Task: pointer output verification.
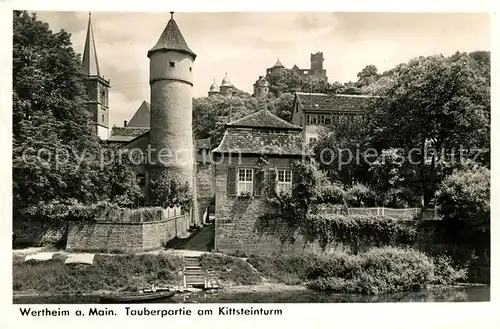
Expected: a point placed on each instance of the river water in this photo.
(456, 294)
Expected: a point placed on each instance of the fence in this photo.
(405, 213)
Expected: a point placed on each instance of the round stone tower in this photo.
(171, 82)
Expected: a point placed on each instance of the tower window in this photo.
(190, 69)
(172, 64)
(103, 118)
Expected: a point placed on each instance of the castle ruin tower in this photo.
(171, 83)
(261, 87)
(96, 86)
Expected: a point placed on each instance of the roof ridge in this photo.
(285, 124)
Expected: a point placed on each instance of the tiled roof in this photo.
(126, 134)
(263, 119)
(321, 102)
(172, 39)
(141, 116)
(259, 141)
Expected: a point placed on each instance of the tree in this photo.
(394, 179)
(167, 190)
(341, 148)
(435, 106)
(284, 81)
(282, 106)
(368, 75)
(464, 196)
(50, 118)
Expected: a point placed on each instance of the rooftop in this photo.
(317, 101)
(172, 39)
(263, 119)
(259, 141)
(126, 134)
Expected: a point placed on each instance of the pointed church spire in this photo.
(172, 39)
(90, 62)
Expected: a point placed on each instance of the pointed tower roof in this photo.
(89, 61)
(141, 116)
(172, 39)
(226, 82)
(278, 64)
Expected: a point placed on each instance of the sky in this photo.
(245, 44)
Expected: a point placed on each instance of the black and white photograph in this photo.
(251, 158)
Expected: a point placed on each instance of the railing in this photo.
(171, 212)
(427, 214)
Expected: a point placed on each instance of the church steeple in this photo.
(90, 61)
(97, 87)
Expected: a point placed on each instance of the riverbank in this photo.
(378, 271)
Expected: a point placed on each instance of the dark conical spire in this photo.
(90, 62)
(172, 39)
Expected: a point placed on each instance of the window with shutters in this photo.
(245, 181)
(284, 181)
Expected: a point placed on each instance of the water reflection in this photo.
(462, 294)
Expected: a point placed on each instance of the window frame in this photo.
(250, 182)
(285, 185)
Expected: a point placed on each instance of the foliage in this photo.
(118, 182)
(50, 117)
(380, 270)
(434, 103)
(465, 196)
(341, 149)
(446, 273)
(310, 188)
(56, 154)
(394, 179)
(368, 75)
(230, 270)
(108, 273)
(168, 189)
(357, 229)
(360, 195)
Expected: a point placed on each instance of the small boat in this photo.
(150, 297)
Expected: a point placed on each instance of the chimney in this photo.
(124, 123)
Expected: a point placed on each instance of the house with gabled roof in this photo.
(256, 149)
(312, 111)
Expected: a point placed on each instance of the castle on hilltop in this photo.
(315, 72)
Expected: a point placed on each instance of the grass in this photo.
(108, 273)
(229, 270)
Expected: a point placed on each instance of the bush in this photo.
(360, 195)
(380, 270)
(445, 273)
(465, 196)
(374, 230)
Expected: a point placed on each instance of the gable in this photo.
(141, 116)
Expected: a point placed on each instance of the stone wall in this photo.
(205, 182)
(101, 236)
(236, 224)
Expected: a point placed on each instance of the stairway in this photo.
(194, 276)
